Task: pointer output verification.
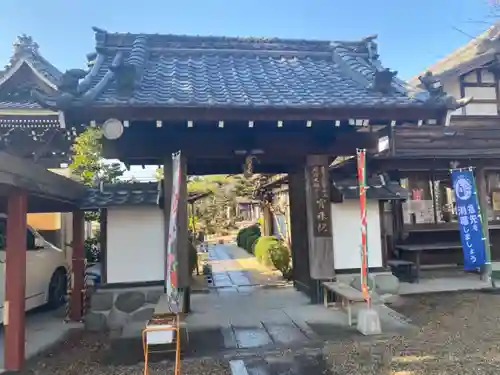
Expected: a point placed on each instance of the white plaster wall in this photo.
(346, 225)
(135, 245)
(452, 87)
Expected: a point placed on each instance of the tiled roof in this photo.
(197, 71)
(476, 53)
(377, 190)
(125, 194)
(26, 50)
(26, 53)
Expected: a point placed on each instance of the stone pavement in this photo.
(238, 314)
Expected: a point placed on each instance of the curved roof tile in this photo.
(198, 71)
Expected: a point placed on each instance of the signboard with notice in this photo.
(318, 175)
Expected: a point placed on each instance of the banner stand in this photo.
(470, 220)
(368, 318)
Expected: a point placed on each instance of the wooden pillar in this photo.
(103, 242)
(15, 281)
(78, 266)
(298, 226)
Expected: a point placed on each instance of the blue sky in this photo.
(412, 34)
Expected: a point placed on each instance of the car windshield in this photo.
(30, 238)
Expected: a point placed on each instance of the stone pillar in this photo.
(78, 266)
(15, 281)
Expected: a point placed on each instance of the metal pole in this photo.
(482, 197)
(361, 158)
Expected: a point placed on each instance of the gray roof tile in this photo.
(173, 70)
(25, 49)
(125, 194)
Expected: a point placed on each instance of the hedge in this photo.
(247, 236)
(251, 241)
(262, 247)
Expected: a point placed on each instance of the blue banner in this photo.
(469, 219)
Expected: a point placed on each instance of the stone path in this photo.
(238, 314)
(227, 274)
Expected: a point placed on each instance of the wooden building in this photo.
(26, 129)
(34, 133)
(421, 157)
(233, 105)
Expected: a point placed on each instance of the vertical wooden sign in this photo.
(321, 260)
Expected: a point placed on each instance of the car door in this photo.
(35, 271)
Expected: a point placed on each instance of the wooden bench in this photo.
(418, 249)
(348, 295)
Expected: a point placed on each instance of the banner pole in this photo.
(361, 158)
(483, 216)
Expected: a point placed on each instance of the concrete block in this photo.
(369, 322)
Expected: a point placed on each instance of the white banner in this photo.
(171, 255)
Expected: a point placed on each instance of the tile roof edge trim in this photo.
(13, 70)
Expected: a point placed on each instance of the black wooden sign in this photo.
(318, 177)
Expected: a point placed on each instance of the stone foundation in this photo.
(112, 309)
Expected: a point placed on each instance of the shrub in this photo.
(250, 243)
(244, 234)
(240, 237)
(262, 248)
(280, 258)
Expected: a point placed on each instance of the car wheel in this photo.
(57, 289)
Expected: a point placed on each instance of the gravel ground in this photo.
(459, 334)
(85, 354)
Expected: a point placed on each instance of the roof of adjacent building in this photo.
(26, 55)
(127, 194)
(478, 52)
(147, 70)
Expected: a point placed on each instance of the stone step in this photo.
(307, 361)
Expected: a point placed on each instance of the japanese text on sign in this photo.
(321, 198)
(469, 219)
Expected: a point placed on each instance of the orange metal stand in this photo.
(175, 327)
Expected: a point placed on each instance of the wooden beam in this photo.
(78, 266)
(104, 244)
(77, 116)
(15, 281)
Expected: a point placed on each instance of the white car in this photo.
(46, 271)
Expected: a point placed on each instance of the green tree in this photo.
(88, 164)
